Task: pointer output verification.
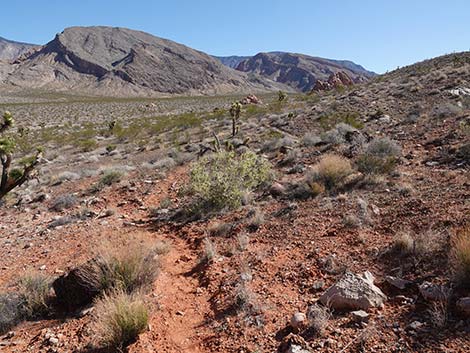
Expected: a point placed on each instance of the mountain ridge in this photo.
(121, 61)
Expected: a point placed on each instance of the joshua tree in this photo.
(235, 111)
(11, 178)
(281, 96)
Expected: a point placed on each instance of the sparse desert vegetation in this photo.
(266, 209)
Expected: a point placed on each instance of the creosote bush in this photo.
(330, 171)
(219, 181)
(120, 318)
(379, 157)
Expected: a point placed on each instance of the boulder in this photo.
(82, 284)
(354, 292)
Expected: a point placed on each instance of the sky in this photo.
(380, 35)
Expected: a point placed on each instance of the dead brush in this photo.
(318, 317)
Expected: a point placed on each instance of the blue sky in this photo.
(378, 34)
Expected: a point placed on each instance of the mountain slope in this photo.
(232, 61)
(10, 50)
(300, 71)
(119, 61)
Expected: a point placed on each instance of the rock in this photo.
(317, 285)
(463, 305)
(81, 285)
(250, 99)
(415, 325)
(460, 91)
(336, 80)
(297, 349)
(360, 316)
(277, 189)
(298, 321)
(433, 292)
(397, 282)
(354, 291)
(293, 341)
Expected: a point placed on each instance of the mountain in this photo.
(10, 50)
(121, 62)
(300, 71)
(231, 61)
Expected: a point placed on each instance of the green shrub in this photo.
(219, 181)
(120, 318)
(379, 157)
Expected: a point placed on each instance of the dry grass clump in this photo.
(403, 243)
(34, 290)
(132, 267)
(209, 253)
(120, 318)
(460, 256)
(330, 171)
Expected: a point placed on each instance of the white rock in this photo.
(298, 320)
(354, 291)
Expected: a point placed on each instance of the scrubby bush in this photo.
(219, 181)
(63, 202)
(120, 318)
(310, 139)
(10, 312)
(318, 317)
(379, 157)
(330, 171)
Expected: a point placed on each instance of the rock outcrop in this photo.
(336, 80)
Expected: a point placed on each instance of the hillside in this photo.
(11, 50)
(331, 222)
(231, 61)
(119, 62)
(300, 71)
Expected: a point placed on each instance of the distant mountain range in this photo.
(123, 62)
(298, 71)
(10, 50)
